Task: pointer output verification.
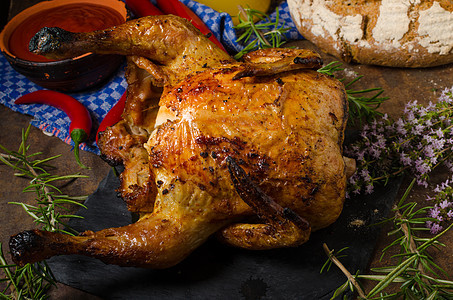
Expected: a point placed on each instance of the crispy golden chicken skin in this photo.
(250, 151)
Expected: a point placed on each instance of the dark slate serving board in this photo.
(216, 271)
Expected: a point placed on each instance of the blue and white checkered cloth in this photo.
(99, 101)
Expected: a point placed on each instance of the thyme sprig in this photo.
(259, 35)
(32, 280)
(415, 144)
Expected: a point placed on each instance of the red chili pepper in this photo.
(143, 8)
(80, 126)
(113, 116)
(177, 8)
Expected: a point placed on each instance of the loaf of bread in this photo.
(396, 33)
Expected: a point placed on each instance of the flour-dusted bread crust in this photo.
(396, 33)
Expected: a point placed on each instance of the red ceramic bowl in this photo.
(68, 75)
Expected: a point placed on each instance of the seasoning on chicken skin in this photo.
(250, 151)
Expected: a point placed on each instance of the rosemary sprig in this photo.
(32, 280)
(362, 107)
(259, 35)
(416, 273)
(27, 282)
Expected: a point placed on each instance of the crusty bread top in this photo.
(362, 30)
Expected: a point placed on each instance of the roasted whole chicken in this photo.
(248, 151)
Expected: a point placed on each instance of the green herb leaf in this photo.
(266, 34)
(363, 104)
(33, 280)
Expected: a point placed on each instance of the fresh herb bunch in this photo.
(32, 280)
(260, 35)
(415, 274)
(417, 143)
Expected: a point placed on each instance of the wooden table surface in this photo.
(401, 85)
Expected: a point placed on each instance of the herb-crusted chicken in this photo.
(250, 151)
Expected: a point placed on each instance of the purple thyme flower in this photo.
(405, 159)
(444, 204)
(438, 144)
(369, 189)
(434, 212)
(422, 167)
(431, 154)
(409, 106)
(450, 214)
(439, 133)
(436, 228)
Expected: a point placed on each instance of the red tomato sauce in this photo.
(84, 17)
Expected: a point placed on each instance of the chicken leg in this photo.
(282, 228)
